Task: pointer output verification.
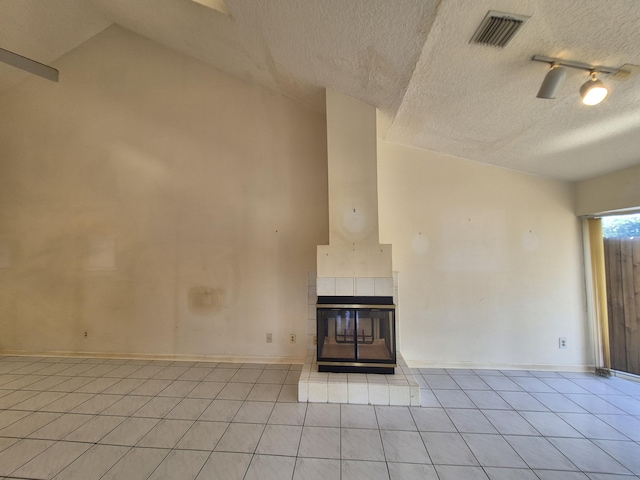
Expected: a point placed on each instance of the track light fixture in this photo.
(592, 92)
(552, 81)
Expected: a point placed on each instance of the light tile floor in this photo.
(73, 418)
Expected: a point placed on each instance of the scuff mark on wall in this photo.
(203, 300)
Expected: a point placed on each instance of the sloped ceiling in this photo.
(410, 58)
(44, 31)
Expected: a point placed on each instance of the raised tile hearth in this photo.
(358, 388)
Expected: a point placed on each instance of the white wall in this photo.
(489, 262)
(142, 175)
(354, 255)
(614, 191)
(351, 152)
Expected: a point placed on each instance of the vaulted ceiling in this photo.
(410, 58)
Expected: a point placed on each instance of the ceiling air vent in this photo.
(498, 29)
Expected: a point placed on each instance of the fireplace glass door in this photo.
(356, 339)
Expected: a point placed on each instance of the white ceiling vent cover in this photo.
(498, 29)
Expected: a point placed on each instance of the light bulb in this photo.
(593, 91)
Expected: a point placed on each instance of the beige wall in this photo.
(142, 175)
(489, 262)
(354, 250)
(615, 191)
(351, 151)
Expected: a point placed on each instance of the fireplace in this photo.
(356, 316)
(356, 334)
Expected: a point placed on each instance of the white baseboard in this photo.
(501, 366)
(146, 356)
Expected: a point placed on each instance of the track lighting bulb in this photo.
(593, 91)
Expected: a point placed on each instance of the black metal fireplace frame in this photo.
(356, 365)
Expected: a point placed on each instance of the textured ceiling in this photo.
(410, 58)
(480, 103)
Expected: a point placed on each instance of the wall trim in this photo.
(502, 366)
(145, 356)
(298, 360)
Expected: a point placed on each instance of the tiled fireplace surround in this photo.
(353, 388)
(354, 263)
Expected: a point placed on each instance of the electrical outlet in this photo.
(86, 333)
(269, 338)
(292, 338)
(562, 342)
